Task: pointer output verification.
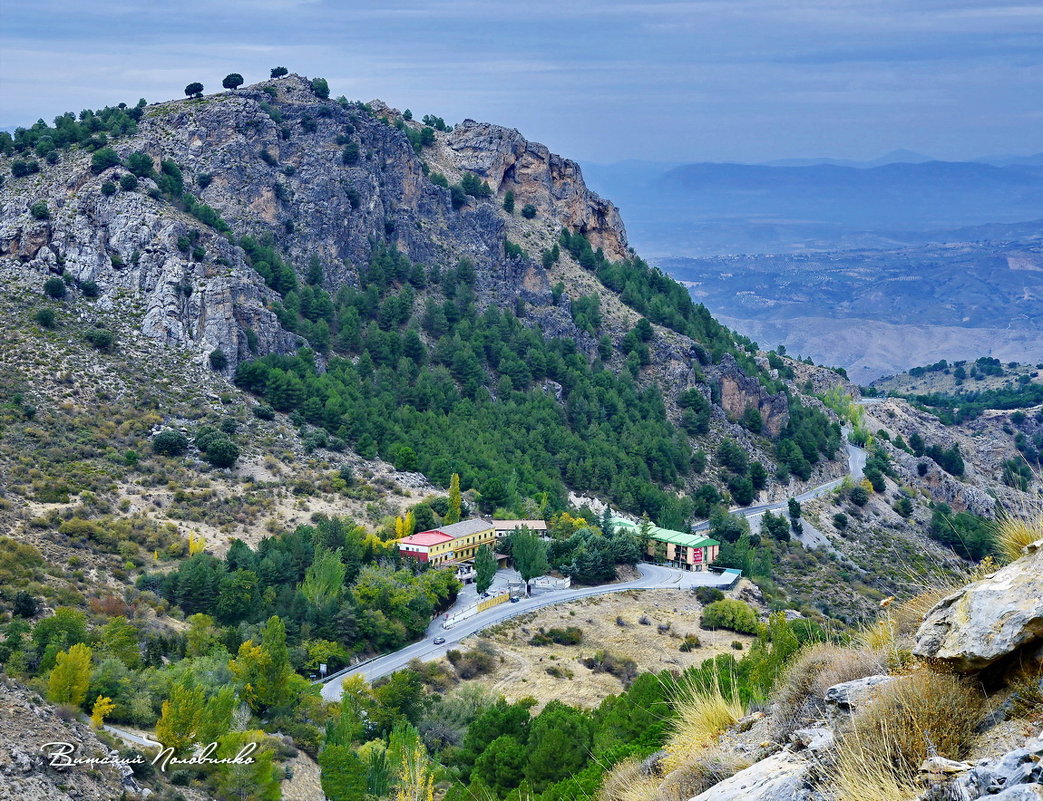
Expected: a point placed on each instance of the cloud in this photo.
(597, 79)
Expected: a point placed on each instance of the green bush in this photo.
(23, 167)
(708, 595)
(218, 359)
(54, 287)
(128, 182)
(232, 81)
(140, 164)
(103, 159)
(89, 288)
(278, 72)
(169, 443)
(350, 154)
(39, 210)
(733, 615)
(100, 338)
(263, 411)
(859, 496)
(528, 211)
(221, 451)
(508, 201)
(45, 317)
(321, 88)
(108, 189)
(194, 89)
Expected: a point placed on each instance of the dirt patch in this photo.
(653, 646)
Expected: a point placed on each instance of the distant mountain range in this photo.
(707, 209)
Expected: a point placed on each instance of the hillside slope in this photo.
(247, 224)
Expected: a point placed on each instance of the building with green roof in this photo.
(686, 551)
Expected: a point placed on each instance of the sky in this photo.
(597, 80)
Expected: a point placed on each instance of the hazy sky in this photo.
(744, 80)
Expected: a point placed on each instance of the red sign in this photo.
(697, 554)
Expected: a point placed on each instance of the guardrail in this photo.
(474, 609)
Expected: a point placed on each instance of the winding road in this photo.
(652, 577)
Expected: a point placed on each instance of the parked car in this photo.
(439, 640)
(515, 600)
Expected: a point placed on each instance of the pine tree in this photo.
(71, 675)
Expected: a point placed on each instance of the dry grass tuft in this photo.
(800, 693)
(626, 781)
(867, 771)
(703, 713)
(1014, 532)
(916, 716)
(713, 765)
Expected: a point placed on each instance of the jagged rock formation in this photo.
(551, 183)
(989, 619)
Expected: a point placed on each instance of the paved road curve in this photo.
(652, 577)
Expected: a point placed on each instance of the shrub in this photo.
(128, 182)
(108, 189)
(232, 81)
(23, 167)
(263, 411)
(194, 89)
(350, 154)
(473, 186)
(528, 211)
(218, 360)
(100, 338)
(457, 197)
(278, 72)
(603, 662)
(54, 287)
(25, 604)
(221, 452)
(708, 595)
(689, 643)
(321, 88)
(571, 635)
(45, 317)
(39, 210)
(859, 496)
(104, 159)
(140, 164)
(508, 201)
(169, 443)
(89, 288)
(737, 616)
(479, 660)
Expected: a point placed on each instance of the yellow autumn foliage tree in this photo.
(70, 676)
(103, 705)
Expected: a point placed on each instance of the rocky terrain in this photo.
(834, 726)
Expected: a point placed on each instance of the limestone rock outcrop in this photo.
(989, 619)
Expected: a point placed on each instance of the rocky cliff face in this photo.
(551, 183)
(326, 179)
